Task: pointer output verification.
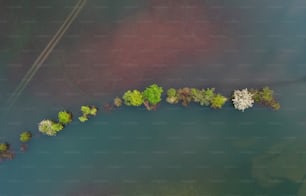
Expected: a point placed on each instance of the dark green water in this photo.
(175, 150)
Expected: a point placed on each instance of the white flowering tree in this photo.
(242, 99)
(49, 127)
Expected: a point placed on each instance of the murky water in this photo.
(113, 46)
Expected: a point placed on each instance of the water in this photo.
(113, 46)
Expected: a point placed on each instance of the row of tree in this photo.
(150, 97)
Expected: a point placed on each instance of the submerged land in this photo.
(150, 98)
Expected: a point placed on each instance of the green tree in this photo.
(64, 117)
(93, 110)
(4, 147)
(218, 101)
(133, 98)
(25, 136)
(86, 110)
(152, 94)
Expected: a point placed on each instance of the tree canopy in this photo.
(93, 110)
(4, 147)
(184, 95)
(49, 127)
(57, 127)
(133, 98)
(87, 111)
(203, 97)
(265, 96)
(152, 94)
(218, 101)
(172, 97)
(171, 92)
(242, 99)
(83, 118)
(25, 136)
(64, 117)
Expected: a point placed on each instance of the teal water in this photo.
(175, 150)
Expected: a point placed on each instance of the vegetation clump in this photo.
(184, 95)
(57, 127)
(152, 96)
(4, 147)
(117, 102)
(209, 94)
(64, 117)
(203, 97)
(172, 97)
(83, 118)
(87, 111)
(5, 152)
(242, 99)
(265, 96)
(49, 127)
(218, 101)
(133, 98)
(25, 136)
